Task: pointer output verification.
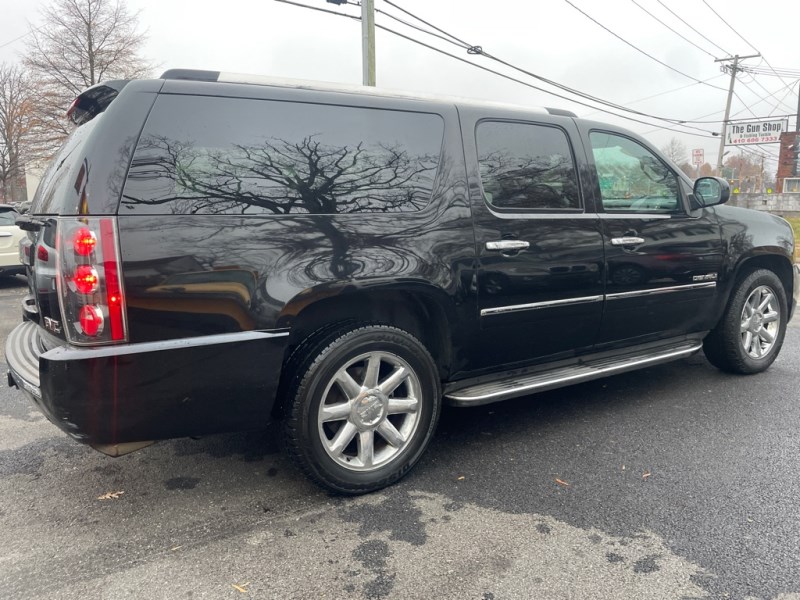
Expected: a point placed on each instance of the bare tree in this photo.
(80, 43)
(17, 125)
(675, 151)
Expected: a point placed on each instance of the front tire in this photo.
(750, 334)
(364, 406)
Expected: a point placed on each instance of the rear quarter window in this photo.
(57, 192)
(210, 155)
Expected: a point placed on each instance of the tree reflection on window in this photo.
(526, 166)
(190, 170)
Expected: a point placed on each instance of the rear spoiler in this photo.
(94, 100)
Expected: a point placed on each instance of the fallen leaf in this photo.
(461, 478)
(110, 495)
(646, 474)
(241, 588)
(561, 482)
(175, 548)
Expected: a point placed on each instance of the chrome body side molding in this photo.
(498, 310)
(663, 290)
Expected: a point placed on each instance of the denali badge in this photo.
(707, 277)
(52, 325)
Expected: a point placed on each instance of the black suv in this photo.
(211, 252)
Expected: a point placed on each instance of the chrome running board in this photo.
(521, 385)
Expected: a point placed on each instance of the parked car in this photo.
(211, 252)
(10, 236)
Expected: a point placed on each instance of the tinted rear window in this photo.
(208, 155)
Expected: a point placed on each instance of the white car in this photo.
(10, 236)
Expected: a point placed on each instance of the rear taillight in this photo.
(89, 282)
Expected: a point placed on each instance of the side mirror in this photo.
(712, 190)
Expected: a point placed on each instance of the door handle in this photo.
(627, 241)
(508, 245)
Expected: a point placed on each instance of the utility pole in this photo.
(734, 67)
(368, 41)
(797, 118)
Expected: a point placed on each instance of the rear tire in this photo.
(364, 404)
(750, 334)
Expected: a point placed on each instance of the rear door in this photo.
(662, 257)
(538, 244)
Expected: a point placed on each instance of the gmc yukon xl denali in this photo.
(210, 252)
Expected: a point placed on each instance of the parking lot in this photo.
(672, 482)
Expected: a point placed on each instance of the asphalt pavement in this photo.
(676, 481)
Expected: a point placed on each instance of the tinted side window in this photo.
(632, 179)
(526, 166)
(206, 155)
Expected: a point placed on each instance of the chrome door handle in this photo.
(627, 241)
(506, 245)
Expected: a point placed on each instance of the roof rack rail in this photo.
(243, 78)
(560, 112)
(190, 74)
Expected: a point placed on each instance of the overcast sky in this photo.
(549, 38)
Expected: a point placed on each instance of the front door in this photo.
(539, 248)
(662, 257)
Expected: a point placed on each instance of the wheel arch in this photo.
(774, 260)
(420, 310)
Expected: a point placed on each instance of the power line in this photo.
(764, 58)
(776, 72)
(673, 31)
(413, 16)
(465, 44)
(770, 94)
(730, 27)
(692, 28)
(473, 49)
(478, 50)
(705, 133)
(788, 91)
(672, 90)
(650, 56)
(418, 28)
(19, 37)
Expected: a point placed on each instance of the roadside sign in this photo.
(697, 156)
(756, 132)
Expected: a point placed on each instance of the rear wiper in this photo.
(29, 223)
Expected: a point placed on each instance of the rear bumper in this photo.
(795, 291)
(150, 391)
